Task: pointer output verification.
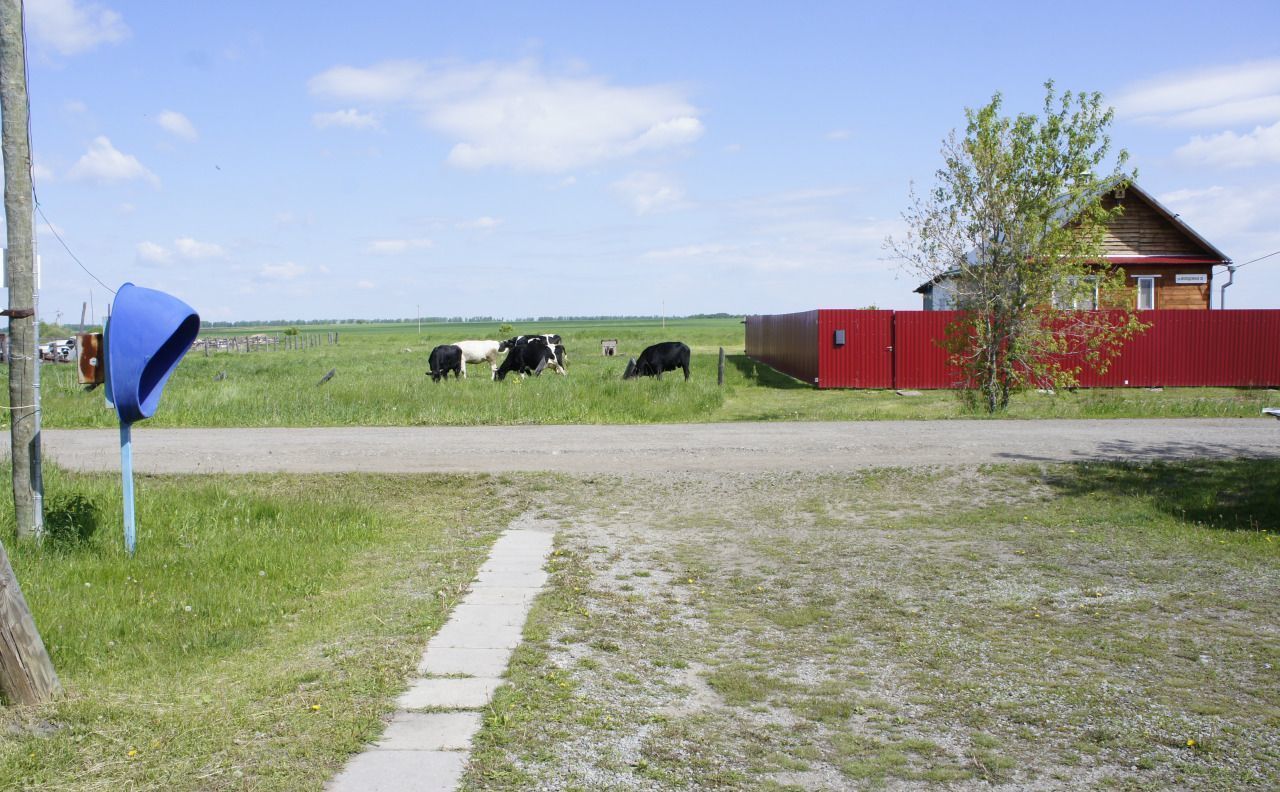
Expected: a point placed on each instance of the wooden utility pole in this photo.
(26, 673)
(24, 333)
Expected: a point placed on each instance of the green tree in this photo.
(1013, 231)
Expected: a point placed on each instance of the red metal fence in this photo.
(901, 349)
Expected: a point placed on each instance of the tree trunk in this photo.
(26, 672)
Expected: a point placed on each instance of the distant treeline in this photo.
(457, 319)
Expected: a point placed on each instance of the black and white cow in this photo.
(529, 356)
(552, 342)
(667, 356)
(442, 360)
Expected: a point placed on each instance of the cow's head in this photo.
(630, 373)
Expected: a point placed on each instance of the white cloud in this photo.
(391, 247)
(150, 251)
(1227, 149)
(688, 252)
(40, 173)
(391, 81)
(1239, 93)
(480, 224)
(72, 28)
(366, 284)
(839, 134)
(285, 271)
(649, 192)
(1223, 215)
(104, 164)
(76, 107)
(183, 248)
(176, 123)
(517, 115)
(350, 119)
(191, 249)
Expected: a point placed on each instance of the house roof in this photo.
(1212, 254)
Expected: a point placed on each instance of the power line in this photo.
(1250, 261)
(56, 236)
(35, 196)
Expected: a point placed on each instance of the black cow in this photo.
(442, 360)
(667, 356)
(530, 356)
(551, 338)
(550, 342)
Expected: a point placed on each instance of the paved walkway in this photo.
(426, 745)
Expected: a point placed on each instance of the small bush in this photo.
(506, 331)
(70, 521)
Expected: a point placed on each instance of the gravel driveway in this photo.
(737, 447)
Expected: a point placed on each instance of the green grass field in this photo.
(380, 381)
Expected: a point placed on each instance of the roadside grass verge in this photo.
(380, 381)
(1101, 626)
(256, 639)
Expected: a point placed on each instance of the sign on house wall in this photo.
(1200, 278)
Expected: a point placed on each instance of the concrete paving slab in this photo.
(444, 661)
(430, 731)
(501, 595)
(530, 543)
(465, 635)
(401, 771)
(498, 615)
(532, 579)
(467, 693)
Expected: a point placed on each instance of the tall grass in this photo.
(380, 380)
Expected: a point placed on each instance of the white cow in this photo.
(479, 351)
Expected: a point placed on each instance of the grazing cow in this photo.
(530, 357)
(551, 341)
(667, 356)
(442, 360)
(480, 351)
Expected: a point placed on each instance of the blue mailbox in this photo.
(145, 339)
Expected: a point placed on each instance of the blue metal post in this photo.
(126, 478)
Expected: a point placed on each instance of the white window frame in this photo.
(1077, 303)
(1149, 281)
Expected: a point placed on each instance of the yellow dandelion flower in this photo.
(315, 707)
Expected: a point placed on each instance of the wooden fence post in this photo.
(720, 370)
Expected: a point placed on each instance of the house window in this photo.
(1076, 296)
(1146, 294)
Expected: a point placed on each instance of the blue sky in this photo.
(266, 160)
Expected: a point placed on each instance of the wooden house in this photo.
(1166, 264)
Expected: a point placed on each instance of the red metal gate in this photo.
(865, 357)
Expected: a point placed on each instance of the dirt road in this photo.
(738, 447)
